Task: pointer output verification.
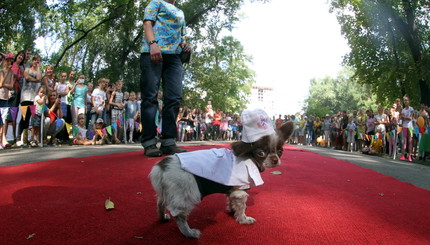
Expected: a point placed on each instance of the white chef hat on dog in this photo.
(256, 124)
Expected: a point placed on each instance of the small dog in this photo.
(182, 180)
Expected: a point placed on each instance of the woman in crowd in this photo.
(18, 72)
(116, 103)
(183, 124)
(54, 121)
(361, 128)
(32, 80)
(89, 104)
(49, 78)
(406, 117)
(79, 91)
(392, 125)
(216, 123)
(6, 85)
(370, 126)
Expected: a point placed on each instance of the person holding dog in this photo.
(160, 60)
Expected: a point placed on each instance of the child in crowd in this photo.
(351, 127)
(88, 103)
(107, 110)
(223, 127)
(39, 100)
(326, 129)
(98, 98)
(62, 89)
(101, 136)
(202, 129)
(209, 109)
(80, 136)
(230, 130)
(132, 114)
(116, 102)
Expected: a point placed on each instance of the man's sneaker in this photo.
(171, 149)
(152, 151)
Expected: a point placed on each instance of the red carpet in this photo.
(316, 200)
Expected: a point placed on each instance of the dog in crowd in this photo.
(182, 180)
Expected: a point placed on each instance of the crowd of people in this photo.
(398, 132)
(42, 107)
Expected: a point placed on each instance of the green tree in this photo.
(19, 23)
(330, 95)
(219, 73)
(103, 38)
(389, 41)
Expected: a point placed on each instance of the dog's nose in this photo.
(274, 161)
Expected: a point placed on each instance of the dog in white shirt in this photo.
(182, 180)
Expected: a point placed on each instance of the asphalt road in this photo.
(414, 173)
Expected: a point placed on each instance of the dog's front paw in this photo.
(246, 220)
(193, 233)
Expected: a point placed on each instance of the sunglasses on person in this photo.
(81, 118)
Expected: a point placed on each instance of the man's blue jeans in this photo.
(170, 74)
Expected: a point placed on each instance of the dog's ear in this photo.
(241, 149)
(285, 131)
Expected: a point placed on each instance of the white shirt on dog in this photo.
(221, 166)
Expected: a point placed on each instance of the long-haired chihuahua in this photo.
(182, 180)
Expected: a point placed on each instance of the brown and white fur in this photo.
(178, 192)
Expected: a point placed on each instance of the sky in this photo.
(291, 42)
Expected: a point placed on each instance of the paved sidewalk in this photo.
(414, 173)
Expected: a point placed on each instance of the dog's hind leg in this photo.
(237, 201)
(161, 210)
(182, 223)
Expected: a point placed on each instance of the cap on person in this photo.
(9, 56)
(256, 124)
(100, 120)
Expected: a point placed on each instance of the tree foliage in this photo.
(389, 41)
(18, 23)
(102, 39)
(330, 95)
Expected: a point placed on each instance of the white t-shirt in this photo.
(221, 166)
(61, 88)
(4, 92)
(407, 113)
(99, 97)
(39, 107)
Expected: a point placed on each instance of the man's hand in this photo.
(155, 54)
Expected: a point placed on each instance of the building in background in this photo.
(263, 97)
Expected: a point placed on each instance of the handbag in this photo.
(185, 56)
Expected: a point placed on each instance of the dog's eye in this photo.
(261, 154)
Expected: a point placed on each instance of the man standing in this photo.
(164, 27)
